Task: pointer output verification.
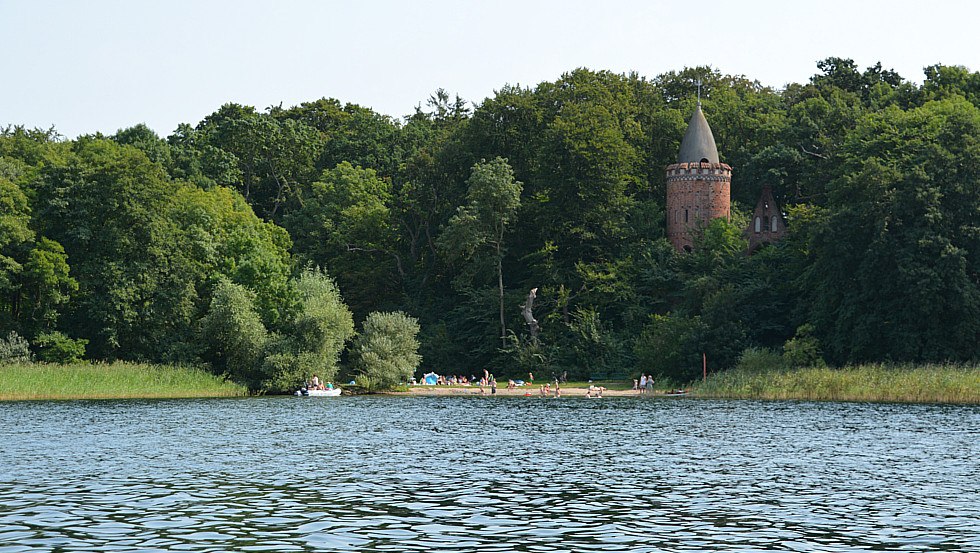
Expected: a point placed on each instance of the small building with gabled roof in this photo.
(767, 224)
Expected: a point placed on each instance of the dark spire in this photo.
(698, 143)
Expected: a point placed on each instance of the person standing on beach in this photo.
(643, 383)
(650, 384)
(493, 386)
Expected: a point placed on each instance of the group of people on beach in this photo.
(594, 391)
(453, 380)
(545, 390)
(644, 385)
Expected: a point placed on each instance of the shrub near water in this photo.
(386, 351)
(906, 383)
(15, 349)
(117, 380)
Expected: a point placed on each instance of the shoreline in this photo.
(872, 383)
(923, 384)
(118, 380)
(523, 391)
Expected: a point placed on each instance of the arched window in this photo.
(775, 225)
(758, 224)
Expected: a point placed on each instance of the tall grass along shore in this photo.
(876, 382)
(23, 381)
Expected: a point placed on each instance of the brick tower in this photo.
(698, 185)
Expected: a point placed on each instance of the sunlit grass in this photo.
(22, 381)
(876, 382)
(607, 384)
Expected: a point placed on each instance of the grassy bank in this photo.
(104, 381)
(914, 384)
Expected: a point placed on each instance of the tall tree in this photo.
(15, 241)
(343, 221)
(896, 261)
(273, 155)
(493, 197)
(107, 206)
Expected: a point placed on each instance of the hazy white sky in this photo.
(101, 65)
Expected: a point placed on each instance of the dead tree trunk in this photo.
(526, 310)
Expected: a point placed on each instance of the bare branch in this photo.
(814, 154)
(395, 256)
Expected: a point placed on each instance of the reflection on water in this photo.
(487, 474)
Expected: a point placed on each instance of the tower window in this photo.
(758, 224)
(685, 215)
(774, 220)
(704, 160)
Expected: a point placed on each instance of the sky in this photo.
(103, 65)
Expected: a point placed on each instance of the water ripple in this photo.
(487, 474)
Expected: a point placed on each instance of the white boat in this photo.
(329, 392)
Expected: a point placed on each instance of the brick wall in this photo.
(696, 194)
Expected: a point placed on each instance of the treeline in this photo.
(226, 242)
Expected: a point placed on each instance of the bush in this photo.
(15, 349)
(803, 349)
(670, 346)
(309, 341)
(55, 347)
(320, 328)
(386, 351)
(759, 360)
(590, 349)
(234, 333)
(287, 370)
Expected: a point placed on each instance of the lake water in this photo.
(487, 474)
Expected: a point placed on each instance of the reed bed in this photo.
(874, 382)
(25, 381)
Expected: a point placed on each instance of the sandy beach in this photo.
(534, 391)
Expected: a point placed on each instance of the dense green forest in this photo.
(258, 242)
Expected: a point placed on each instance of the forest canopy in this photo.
(256, 241)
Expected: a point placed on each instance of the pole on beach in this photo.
(704, 361)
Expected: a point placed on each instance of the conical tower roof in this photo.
(698, 143)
